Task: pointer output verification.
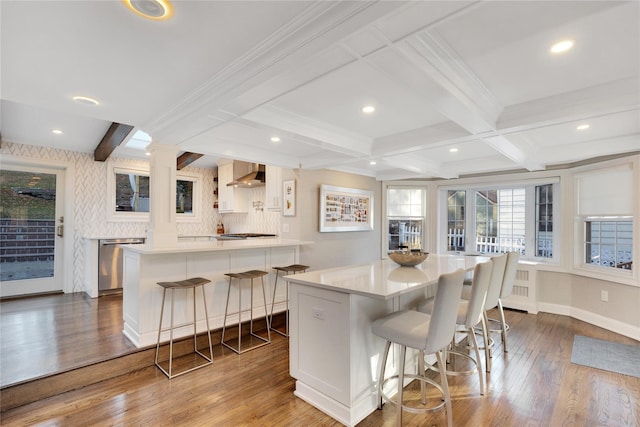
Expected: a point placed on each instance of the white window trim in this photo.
(115, 216)
(425, 209)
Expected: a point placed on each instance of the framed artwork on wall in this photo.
(289, 197)
(345, 209)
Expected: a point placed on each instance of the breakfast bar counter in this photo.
(145, 266)
(333, 355)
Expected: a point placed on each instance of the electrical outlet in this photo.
(604, 296)
(285, 228)
(317, 313)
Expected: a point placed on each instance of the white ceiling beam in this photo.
(417, 166)
(328, 137)
(513, 153)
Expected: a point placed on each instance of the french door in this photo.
(32, 226)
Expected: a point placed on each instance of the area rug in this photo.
(610, 356)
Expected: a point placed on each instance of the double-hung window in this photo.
(497, 219)
(406, 208)
(604, 208)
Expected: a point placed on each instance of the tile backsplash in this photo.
(257, 220)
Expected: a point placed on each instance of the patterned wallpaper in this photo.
(90, 207)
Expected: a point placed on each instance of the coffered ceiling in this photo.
(458, 87)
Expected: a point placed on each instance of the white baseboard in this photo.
(595, 319)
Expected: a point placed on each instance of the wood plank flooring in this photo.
(534, 384)
(46, 334)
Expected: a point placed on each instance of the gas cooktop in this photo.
(245, 235)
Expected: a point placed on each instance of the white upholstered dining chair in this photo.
(429, 334)
(470, 314)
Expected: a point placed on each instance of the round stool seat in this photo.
(188, 283)
(292, 268)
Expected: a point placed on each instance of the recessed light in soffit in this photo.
(368, 109)
(85, 100)
(151, 9)
(584, 126)
(561, 46)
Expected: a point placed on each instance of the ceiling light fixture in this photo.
(85, 100)
(57, 131)
(157, 10)
(368, 109)
(561, 46)
(583, 127)
(275, 139)
(453, 150)
(372, 162)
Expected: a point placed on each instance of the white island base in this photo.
(334, 357)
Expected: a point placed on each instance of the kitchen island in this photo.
(144, 267)
(333, 355)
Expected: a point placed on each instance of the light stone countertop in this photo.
(384, 279)
(213, 246)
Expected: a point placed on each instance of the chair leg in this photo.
(226, 310)
(403, 351)
(273, 299)
(474, 342)
(206, 317)
(421, 369)
(164, 293)
(381, 376)
(445, 390)
(503, 325)
(266, 318)
(485, 336)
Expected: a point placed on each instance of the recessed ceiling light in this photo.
(583, 127)
(561, 46)
(453, 150)
(368, 109)
(85, 100)
(147, 153)
(151, 9)
(372, 162)
(57, 131)
(275, 139)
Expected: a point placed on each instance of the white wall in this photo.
(331, 249)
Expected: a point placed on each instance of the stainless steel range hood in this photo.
(255, 178)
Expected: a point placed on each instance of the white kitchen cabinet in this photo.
(273, 188)
(230, 199)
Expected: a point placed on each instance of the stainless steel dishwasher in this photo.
(110, 263)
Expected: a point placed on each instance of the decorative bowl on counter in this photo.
(408, 259)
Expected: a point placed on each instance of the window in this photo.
(455, 220)
(609, 242)
(501, 220)
(132, 192)
(405, 218)
(544, 221)
(605, 211)
(129, 196)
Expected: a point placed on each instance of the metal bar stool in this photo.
(293, 268)
(192, 283)
(251, 274)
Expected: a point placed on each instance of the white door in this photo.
(32, 224)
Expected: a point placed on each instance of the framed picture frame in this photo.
(345, 209)
(289, 197)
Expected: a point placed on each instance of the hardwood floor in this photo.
(535, 384)
(46, 334)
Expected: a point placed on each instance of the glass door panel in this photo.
(30, 218)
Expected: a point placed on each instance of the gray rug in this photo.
(610, 356)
